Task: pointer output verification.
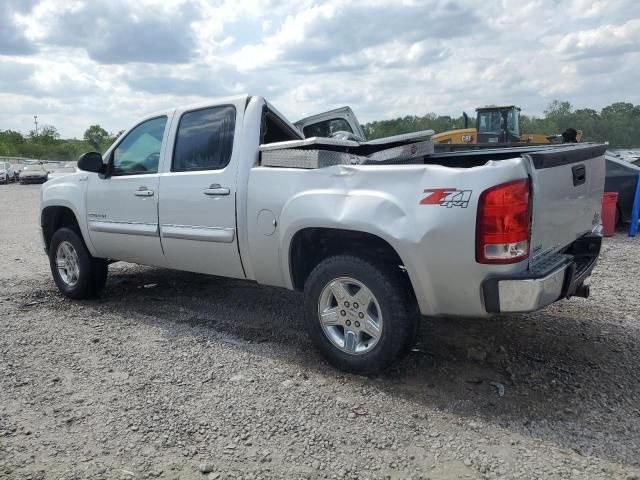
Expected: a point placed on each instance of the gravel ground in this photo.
(176, 375)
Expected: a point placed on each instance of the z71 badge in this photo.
(447, 197)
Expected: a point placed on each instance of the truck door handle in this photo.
(143, 192)
(579, 175)
(216, 189)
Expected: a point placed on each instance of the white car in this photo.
(7, 173)
(374, 233)
(33, 173)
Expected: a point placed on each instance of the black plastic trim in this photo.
(572, 153)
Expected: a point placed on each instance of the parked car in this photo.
(17, 167)
(33, 173)
(7, 173)
(627, 155)
(622, 177)
(374, 233)
(63, 169)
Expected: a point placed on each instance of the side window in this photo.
(204, 140)
(139, 151)
(326, 128)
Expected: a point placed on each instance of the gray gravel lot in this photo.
(202, 374)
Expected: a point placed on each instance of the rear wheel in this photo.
(360, 314)
(76, 273)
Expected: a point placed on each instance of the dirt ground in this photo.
(178, 375)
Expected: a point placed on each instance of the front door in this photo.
(198, 193)
(122, 207)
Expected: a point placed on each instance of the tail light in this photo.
(502, 229)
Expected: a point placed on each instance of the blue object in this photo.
(635, 211)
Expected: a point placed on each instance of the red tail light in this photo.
(502, 229)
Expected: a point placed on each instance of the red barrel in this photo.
(609, 200)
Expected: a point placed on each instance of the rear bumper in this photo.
(557, 277)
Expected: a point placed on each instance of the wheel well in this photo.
(54, 218)
(310, 246)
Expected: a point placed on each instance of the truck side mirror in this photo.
(91, 162)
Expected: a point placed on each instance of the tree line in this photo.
(46, 144)
(618, 123)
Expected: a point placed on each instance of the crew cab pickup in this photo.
(375, 233)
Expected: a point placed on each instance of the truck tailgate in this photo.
(567, 187)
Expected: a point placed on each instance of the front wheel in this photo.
(360, 314)
(76, 273)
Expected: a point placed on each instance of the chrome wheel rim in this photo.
(67, 263)
(350, 316)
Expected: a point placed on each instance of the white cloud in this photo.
(604, 41)
(80, 62)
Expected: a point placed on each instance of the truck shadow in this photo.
(546, 375)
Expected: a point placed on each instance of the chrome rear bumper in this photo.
(561, 276)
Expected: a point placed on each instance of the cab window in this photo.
(139, 151)
(204, 140)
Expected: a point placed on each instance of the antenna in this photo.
(35, 120)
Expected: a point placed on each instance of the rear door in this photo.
(324, 124)
(198, 192)
(567, 184)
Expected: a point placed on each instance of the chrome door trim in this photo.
(127, 228)
(202, 234)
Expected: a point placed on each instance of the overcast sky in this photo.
(76, 63)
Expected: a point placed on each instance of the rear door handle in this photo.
(216, 189)
(143, 192)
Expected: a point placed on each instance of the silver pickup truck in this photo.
(374, 233)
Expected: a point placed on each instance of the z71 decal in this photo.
(447, 197)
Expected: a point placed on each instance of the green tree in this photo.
(11, 137)
(46, 135)
(96, 136)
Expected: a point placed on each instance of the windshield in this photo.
(493, 121)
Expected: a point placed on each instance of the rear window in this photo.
(204, 140)
(326, 128)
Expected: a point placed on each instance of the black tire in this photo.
(92, 271)
(401, 317)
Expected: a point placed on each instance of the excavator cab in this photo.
(498, 124)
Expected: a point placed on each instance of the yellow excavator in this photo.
(496, 124)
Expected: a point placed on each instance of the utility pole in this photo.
(35, 120)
